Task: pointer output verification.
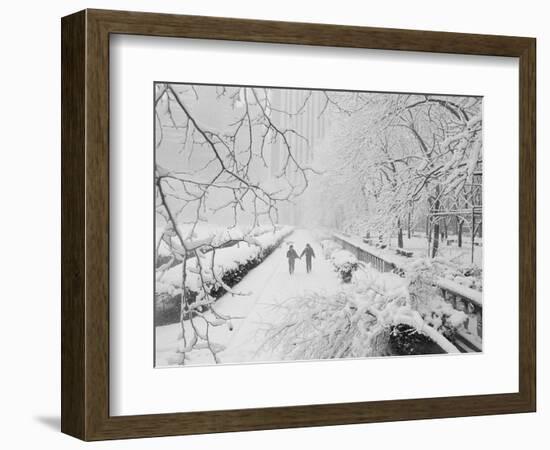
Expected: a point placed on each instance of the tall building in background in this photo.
(305, 112)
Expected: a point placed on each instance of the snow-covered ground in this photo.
(459, 255)
(268, 287)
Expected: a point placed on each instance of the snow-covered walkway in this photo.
(269, 285)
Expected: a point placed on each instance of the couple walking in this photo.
(292, 256)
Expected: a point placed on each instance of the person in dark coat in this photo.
(308, 251)
(292, 256)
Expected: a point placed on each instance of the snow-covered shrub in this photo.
(215, 272)
(372, 316)
(329, 246)
(426, 298)
(345, 263)
(320, 326)
(469, 276)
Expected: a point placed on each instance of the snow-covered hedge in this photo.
(420, 277)
(469, 276)
(218, 271)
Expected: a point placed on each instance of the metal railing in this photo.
(363, 255)
(460, 297)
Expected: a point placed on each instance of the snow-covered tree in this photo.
(360, 319)
(224, 134)
(394, 156)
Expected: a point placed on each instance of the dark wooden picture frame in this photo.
(85, 224)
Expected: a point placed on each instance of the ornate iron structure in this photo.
(466, 207)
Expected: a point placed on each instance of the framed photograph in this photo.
(273, 225)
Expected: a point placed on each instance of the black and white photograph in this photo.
(267, 225)
(300, 224)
